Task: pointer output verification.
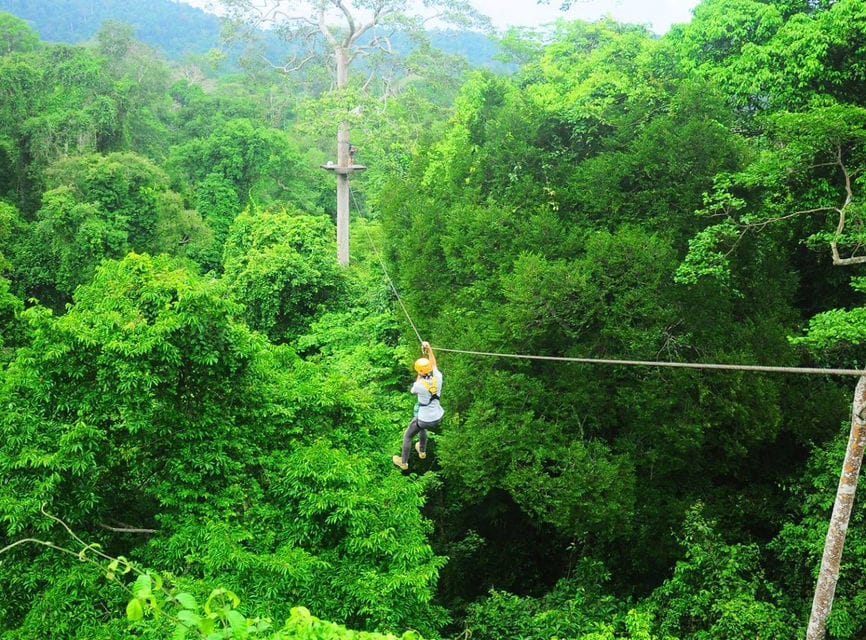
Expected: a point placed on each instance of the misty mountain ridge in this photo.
(177, 29)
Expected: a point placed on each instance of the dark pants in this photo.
(420, 427)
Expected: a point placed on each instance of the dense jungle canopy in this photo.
(198, 405)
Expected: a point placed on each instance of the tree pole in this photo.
(828, 576)
(311, 20)
(343, 164)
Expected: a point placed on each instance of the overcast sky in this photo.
(658, 15)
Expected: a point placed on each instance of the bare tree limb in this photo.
(841, 211)
(127, 529)
(831, 559)
(323, 27)
(849, 196)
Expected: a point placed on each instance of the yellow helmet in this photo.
(423, 366)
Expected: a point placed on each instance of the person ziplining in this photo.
(428, 410)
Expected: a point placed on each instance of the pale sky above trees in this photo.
(659, 15)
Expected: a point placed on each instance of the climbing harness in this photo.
(431, 389)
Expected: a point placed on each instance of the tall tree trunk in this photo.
(343, 163)
(832, 558)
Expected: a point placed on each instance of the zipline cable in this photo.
(608, 361)
(667, 363)
(385, 270)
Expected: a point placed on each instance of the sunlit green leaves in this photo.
(102, 207)
(281, 266)
(718, 589)
(806, 181)
(367, 527)
(254, 161)
(11, 329)
(16, 35)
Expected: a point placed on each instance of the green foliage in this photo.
(799, 543)
(837, 328)
(50, 97)
(568, 475)
(638, 625)
(709, 252)
(381, 570)
(140, 80)
(10, 228)
(65, 100)
(480, 153)
(332, 531)
(174, 27)
(548, 212)
(217, 618)
(200, 111)
(554, 211)
(705, 258)
(217, 202)
(165, 411)
(155, 606)
(573, 608)
(721, 29)
(302, 624)
(74, 593)
(11, 327)
(254, 161)
(103, 207)
(802, 188)
(16, 35)
(767, 57)
(718, 590)
(280, 266)
(162, 378)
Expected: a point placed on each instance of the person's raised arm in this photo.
(426, 348)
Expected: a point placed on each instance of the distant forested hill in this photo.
(173, 27)
(178, 29)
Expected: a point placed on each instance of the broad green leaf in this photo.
(238, 623)
(187, 600)
(134, 609)
(142, 587)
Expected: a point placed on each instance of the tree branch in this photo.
(323, 28)
(838, 260)
(291, 65)
(127, 529)
(763, 223)
(350, 20)
(849, 196)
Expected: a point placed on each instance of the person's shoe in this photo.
(399, 462)
(421, 454)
